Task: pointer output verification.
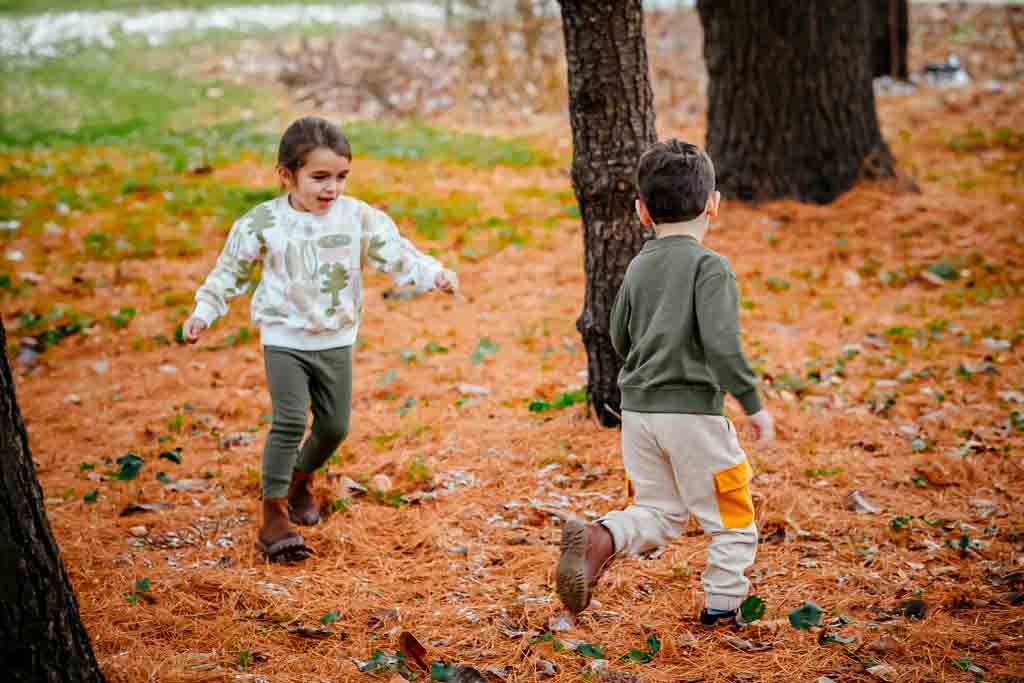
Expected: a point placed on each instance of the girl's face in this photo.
(318, 182)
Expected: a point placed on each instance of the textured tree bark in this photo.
(891, 25)
(791, 107)
(611, 109)
(42, 638)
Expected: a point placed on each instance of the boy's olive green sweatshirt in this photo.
(675, 323)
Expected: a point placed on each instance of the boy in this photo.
(675, 324)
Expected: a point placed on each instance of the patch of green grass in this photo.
(975, 140)
(564, 401)
(431, 216)
(137, 96)
(40, 6)
(105, 96)
(412, 140)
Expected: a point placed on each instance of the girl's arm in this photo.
(232, 274)
(388, 251)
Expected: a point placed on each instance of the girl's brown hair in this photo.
(307, 134)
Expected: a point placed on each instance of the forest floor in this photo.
(888, 328)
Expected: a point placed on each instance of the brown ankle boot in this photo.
(586, 551)
(277, 539)
(275, 525)
(302, 505)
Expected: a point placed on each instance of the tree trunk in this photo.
(791, 107)
(611, 109)
(42, 638)
(891, 24)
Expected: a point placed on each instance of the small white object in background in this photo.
(380, 483)
(948, 74)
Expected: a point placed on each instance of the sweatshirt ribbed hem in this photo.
(695, 400)
(724, 603)
(290, 338)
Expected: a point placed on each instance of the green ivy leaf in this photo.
(330, 618)
(91, 496)
(122, 317)
(590, 650)
(943, 269)
(441, 671)
(967, 664)
(805, 617)
(539, 406)
(381, 661)
(130, 464)
(432, 347)
(173, 455)
(485, 347)
(639, 656)
(752, 609)
(139, 589)
(829, 637)
(644, 656)
(900, 522)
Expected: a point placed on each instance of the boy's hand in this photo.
(192, 328)
(764, 427)
(447, 281)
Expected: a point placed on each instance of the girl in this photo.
(309, 243)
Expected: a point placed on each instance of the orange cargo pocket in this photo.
(733, 492)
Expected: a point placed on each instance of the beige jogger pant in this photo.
(682, 464)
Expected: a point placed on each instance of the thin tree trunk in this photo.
(791, 106)
(891, 30)
(1016, 32)
(611, 109)
(42, 638)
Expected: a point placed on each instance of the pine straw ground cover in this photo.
(887, 326)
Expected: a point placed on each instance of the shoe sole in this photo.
(571, 574)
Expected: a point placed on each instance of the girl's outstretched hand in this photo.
(192, 328)
(447, 281)
(764, 427)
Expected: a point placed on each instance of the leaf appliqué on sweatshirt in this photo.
(335, 279)
(373, 251)
(260, 218)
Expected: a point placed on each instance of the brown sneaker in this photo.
(302, 505)
(586, 551)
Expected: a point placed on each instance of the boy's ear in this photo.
(714, 201)
(643, 214)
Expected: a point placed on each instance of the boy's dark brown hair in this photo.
(307, 134)
(675, 180)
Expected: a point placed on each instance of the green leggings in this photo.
(298, 379)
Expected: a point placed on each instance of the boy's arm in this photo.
(231, 275)
(388, 251)
(619, 322)
(717, 299)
